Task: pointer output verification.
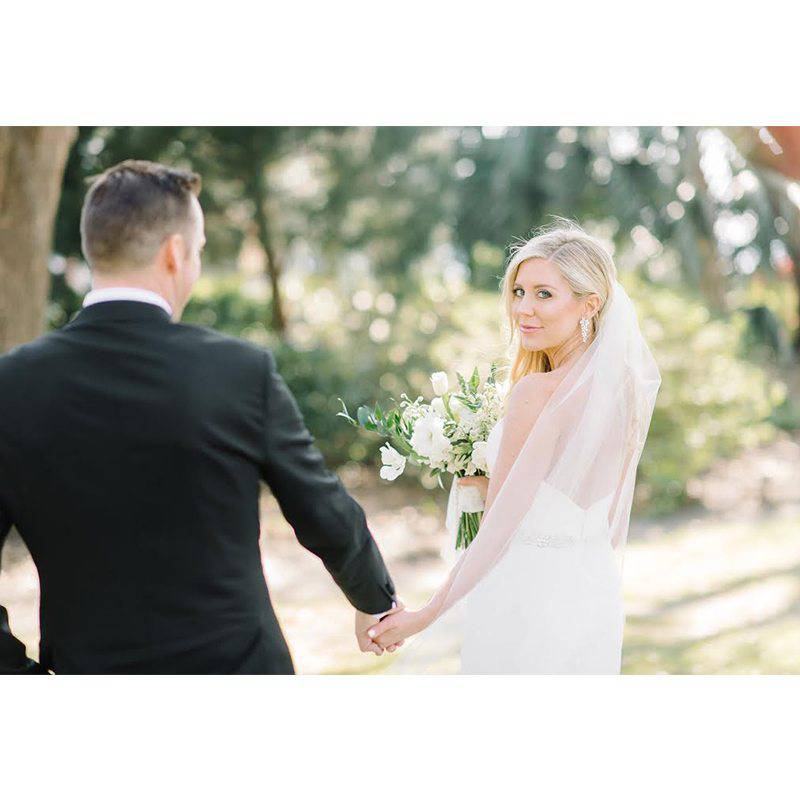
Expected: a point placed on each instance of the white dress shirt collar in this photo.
(126, 293)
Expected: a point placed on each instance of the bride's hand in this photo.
(480, 482)
(394, 629)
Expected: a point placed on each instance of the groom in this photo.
(131, 450)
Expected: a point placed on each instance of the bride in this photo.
(542, 579)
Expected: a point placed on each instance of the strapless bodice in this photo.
(554, 519)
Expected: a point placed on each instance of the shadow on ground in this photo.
(705, 593)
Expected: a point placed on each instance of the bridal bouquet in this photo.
(447, 435)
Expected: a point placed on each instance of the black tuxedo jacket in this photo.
(131, 451)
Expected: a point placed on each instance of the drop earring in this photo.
(584, 329)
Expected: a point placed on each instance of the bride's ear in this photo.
(591, 305)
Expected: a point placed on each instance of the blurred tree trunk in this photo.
(775, 186)
(787, 163)
(775, 154)
(31, 168)
(793, 244)
(776, 148)
(273, 265)
(713, 279)
(788, 139)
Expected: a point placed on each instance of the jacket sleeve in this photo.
(326, 520)
(13, 659)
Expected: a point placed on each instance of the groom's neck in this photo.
(134, 280)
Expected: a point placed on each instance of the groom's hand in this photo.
(366, 621)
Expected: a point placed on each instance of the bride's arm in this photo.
(525, 403)
(528, 398)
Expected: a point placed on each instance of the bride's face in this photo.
(544, 308)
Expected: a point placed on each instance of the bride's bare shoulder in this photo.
(534, 385)
(529, 395)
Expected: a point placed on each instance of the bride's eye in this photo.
(544, 292)
(518, 291)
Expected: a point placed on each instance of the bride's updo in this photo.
(586, 266)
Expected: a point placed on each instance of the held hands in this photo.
(365, 622)
(393, 629)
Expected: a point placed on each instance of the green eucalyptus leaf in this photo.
(364, 415)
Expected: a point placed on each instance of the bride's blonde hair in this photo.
(586, 266)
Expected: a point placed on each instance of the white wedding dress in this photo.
(552, 604)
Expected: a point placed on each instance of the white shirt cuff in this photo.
(384, 613)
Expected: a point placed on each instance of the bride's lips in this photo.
(529, 328)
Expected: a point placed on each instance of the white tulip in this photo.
(437, 406)
(439, 381)
(393, 463)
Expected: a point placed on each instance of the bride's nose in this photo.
(526, 307)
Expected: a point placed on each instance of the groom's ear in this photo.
(174, 251)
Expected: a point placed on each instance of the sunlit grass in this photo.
(702, 596)
(715, 597)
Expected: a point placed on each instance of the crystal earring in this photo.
(584, 329)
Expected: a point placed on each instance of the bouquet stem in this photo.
(468, 525)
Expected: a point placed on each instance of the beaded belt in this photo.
(553, 541)
(557, 540)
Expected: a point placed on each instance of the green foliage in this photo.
(374, 196)
(221, 304)
(325, 361)
(406, 215)
(64, 303)
(385, 194)
(712, 403)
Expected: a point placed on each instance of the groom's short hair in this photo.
(131, 208)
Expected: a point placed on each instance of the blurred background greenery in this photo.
(368, 258)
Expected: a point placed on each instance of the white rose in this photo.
(428, 439)
(441, 452)
(479, 456)
(393, 463)
(439, 381)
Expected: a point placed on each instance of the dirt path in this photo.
(706, 591)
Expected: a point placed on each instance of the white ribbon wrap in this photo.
(462, 500)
